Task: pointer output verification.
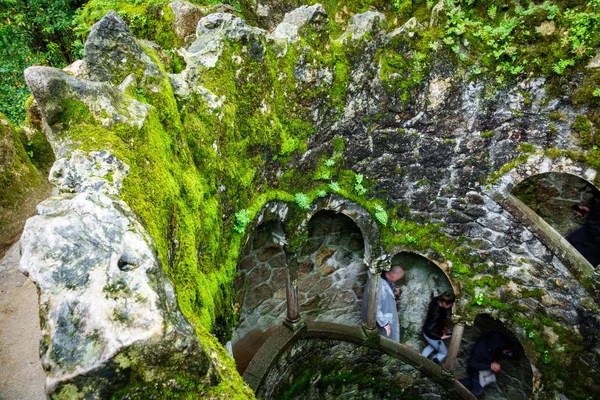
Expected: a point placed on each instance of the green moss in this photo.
(487, 134)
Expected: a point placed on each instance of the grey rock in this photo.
(212, 33)
(301, 19)
(360, 24)
(187, 16)
(100, 171)
(111, 52)
(55, 91)
(410, 28)
(76, 250)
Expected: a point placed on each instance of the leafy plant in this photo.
(29, 150)
(358, 187)
(242, 219)
(411, 239)
(302, 201)
(560, 66)
(381, 215)
(330, 162)
(322, 193)
(334, 187)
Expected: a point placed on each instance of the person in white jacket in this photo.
(388, 323)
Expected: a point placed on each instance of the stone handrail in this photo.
(284, 337)
(566, 253)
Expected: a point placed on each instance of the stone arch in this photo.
(361, 217)
(500, 193)
(551, 195)
(423, 279)
(515, 381)
(331, 270)
(539, 164)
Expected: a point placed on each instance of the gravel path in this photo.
(21, 373)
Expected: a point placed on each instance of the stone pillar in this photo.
(291, 293)
(374, 282)
(457, 334)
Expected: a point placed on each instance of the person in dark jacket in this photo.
(484, 357)
(587, 238)
(433, 328)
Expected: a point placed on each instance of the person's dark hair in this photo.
(447, 297)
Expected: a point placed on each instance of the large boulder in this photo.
(58, 92)
(187, 16)
(112, 52)
(212, 33)
(300, 22)
(109, 314)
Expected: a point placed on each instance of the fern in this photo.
(330, 163)
(302, 201)
(322, 193)
(358, 187)
(242, 219)
(560, 66)
(381, 215)
(334, 187)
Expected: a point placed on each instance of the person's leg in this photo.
(466, 382)
(476, 388)
(436, 344)
(442, 352)
(427, 351)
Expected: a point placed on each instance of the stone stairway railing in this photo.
(566, 253)
(284, 337)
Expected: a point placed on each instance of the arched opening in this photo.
(515, 380)
(552, 196)
(331, 280)
(260, 286)
(331, 271)
(422, 281)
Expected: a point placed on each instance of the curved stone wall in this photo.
(330, 369)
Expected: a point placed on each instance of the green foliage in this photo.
(381, 215)
(560, 66)
(330, 163)
(358, 187)
(242, 219)
(33, 32)
(334, 187)
(507, 39)
(302, 201)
